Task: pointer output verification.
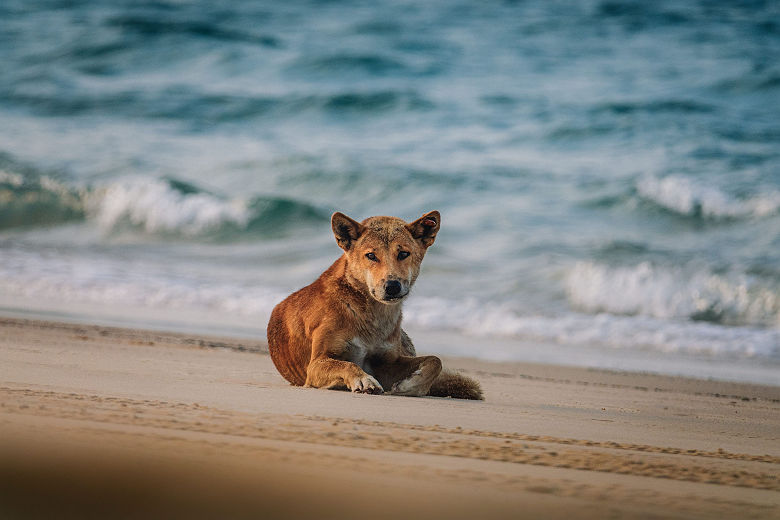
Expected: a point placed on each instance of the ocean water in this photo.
(608, 173)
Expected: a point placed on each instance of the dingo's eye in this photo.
(372, 257)
(403, 254)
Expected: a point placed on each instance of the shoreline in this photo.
(554, 441)
(444, 343)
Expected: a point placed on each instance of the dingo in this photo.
(344, 330)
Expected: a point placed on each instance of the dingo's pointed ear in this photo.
(345, 229)
(425, 228)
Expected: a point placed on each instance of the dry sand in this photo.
(100, 422)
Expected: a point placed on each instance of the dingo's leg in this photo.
(411, 376)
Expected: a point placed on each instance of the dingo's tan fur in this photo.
(344, 330)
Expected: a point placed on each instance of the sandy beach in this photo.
(120, 423)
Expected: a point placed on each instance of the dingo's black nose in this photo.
(393, 288)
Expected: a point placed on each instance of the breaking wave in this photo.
(148, 205)
(613, 331)
(684, 196)
(160, 206)
(731, 298)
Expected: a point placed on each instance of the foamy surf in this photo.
(58, 281)
(674, 292)
(618, 333)
(685, 196)
(146, 205)
(156, 206)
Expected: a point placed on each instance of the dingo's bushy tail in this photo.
(452, 384)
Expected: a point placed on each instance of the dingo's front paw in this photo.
(366, 385)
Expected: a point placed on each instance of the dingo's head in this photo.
(385, 253)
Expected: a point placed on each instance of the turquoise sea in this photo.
(608, 173)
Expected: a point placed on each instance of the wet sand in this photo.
(124, 423)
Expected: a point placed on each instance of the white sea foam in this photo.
(604, 330)
(61, 281)
(11, 178)
(673, 292)
(156, 207)
(686, 196)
